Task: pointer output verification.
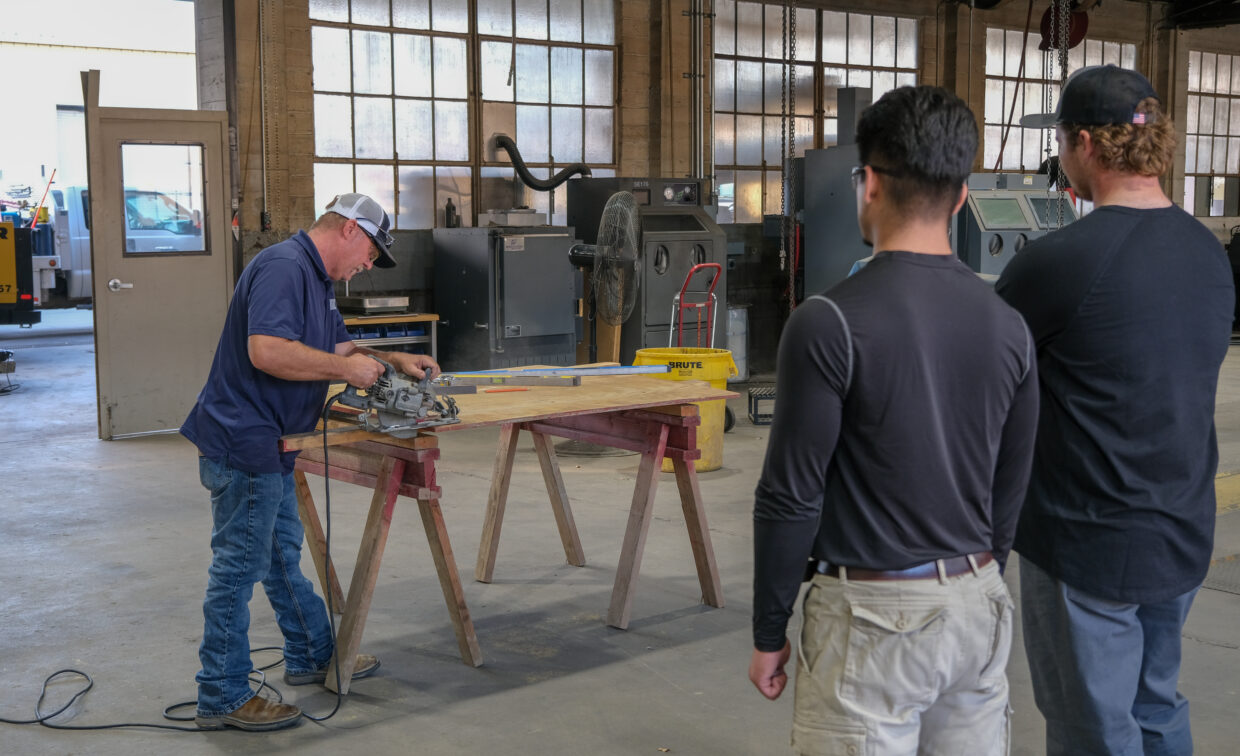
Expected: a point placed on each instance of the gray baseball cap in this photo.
(371, 218)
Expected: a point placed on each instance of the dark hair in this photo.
(926, 138)
(1144, 149)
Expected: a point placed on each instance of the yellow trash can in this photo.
(714, 366)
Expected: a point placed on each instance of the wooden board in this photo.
(595, 394)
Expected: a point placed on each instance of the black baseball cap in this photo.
(1098, 96)
(371, 218)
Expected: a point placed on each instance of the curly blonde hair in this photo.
(1145, 149)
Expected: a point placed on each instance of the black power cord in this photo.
(45, 719)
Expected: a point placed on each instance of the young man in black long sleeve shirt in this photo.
(898, 460)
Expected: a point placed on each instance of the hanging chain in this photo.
(1060, 177)
(783, 143)
(788, 220)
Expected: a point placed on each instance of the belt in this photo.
(952, 566)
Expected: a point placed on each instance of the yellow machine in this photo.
(16, 276)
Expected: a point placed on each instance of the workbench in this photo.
(653, 417)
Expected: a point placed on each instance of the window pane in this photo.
(994, 101)
(1190, 156)
(1233, 156)
(1032, 157)
(372, 127)
(1093, 52)
(805, 90)
(725, 140)
(450, 68)
(412, 14)
(330, 10)
(1222, 76)
(372, 62)
(566, 20)
(376, 181)
(748, 198)
(748, 87)
(858, 39)
(858, 78)
(990, 153)
(906, 79)
(1203, 155)
(804, 135)
(1194, 71)
(532, 19)
(774, 193)
(1110, 53)
(330, 55)
(1076, 58)
(599, 74)
(1220, 115)
(1207, 72)
(749, 29)
(771, 141)
(1205, 119)
(1189, 194)
(496, 63)
(495, 17)
(566, 135)
(413, 130)
(1011, 54)
(533, 127)
(532, 74)
(748, 140)
(1235, 74)
(333, 126)
(330, 179)
(834, 27)
(726, 187)
(450, 15)
(806, 31)
(598, 135)
(1129, 57)
(599, 22)
(908, 44)
(1234, 129)
(725, 27)
(566, 84)
(1191, 113)
(830, 131)
(413, 65)
(884, 42)
(452, 182)
(416, 206)
(370, 12)
(832, 80)
(884, 81)
(773, 87)
(774, 37)
(451, 130)
(1219, 165)
(163, 198)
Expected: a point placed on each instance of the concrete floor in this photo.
(103, 556)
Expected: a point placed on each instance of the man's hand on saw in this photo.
(416, 365)
(362, 371)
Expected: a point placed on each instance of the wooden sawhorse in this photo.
(654, 433)
(391, 467)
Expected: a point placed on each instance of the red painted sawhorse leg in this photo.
(655, 434)
(391, 471)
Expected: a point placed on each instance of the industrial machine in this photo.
(506, 297)
(17, 293)
(675, 234)
(1003, 213)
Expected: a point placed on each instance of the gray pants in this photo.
(904, 666)
(1104, 672)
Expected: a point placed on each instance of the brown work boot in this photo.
(256, 715)
(365, 666)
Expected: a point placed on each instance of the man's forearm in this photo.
(294, 361)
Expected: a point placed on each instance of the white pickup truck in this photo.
(154, 221)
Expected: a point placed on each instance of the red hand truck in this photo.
(680, 304)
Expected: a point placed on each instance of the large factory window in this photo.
(1012, 93)
(1212, 134)
(393, 113)
(752, 96)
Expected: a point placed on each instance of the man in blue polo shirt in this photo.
(283, 343)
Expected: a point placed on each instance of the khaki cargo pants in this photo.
(904, 667)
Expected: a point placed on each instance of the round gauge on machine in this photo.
(669, 193)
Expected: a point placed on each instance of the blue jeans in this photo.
(256, 535)
(1105, 672)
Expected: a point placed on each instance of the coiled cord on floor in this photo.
(45, 719)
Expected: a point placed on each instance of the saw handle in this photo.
(350, 398)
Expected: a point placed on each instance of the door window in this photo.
(163, 199)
